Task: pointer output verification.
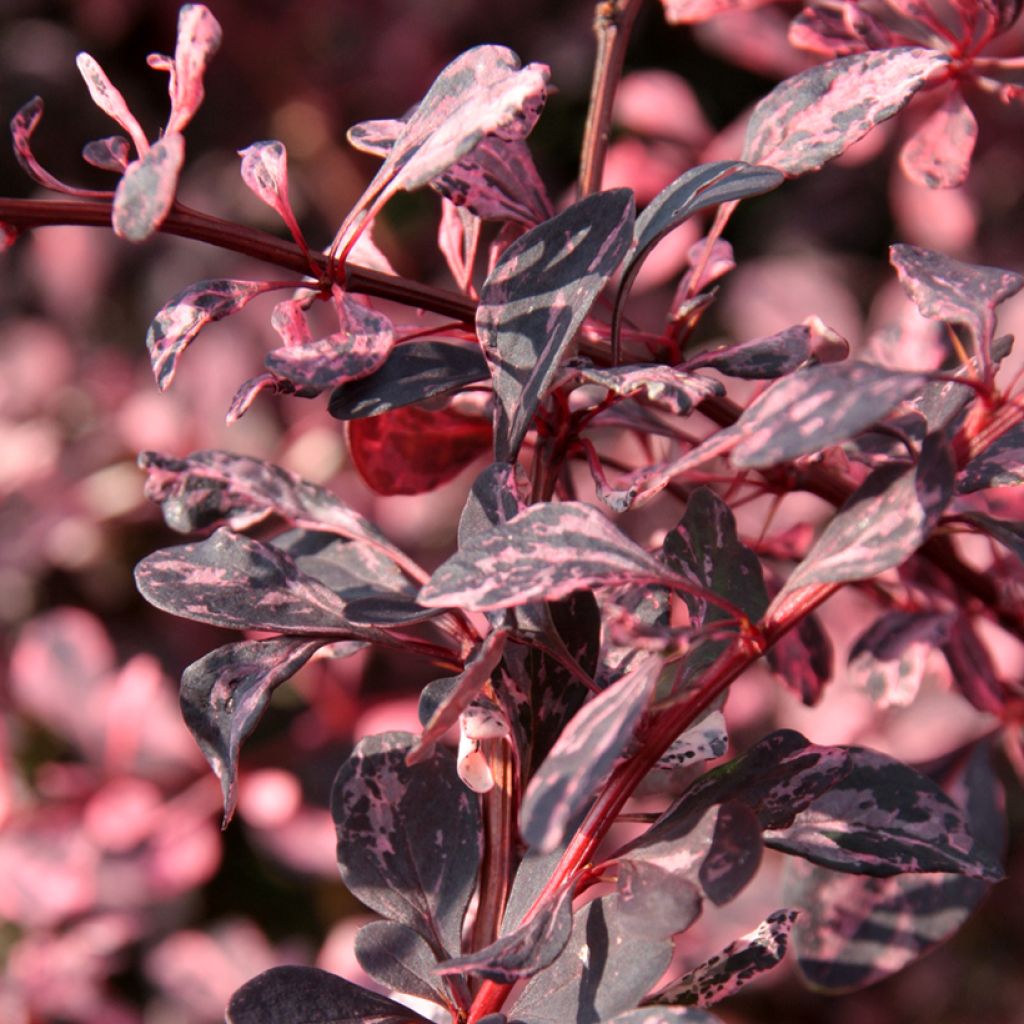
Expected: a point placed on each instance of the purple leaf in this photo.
(740, 962)
(664, 386)
(412, 373)
(802, 659)
(180, 320)
(890, 658)
(762, 359)
(492, 500)
(307, 995)
(962, 293)
(885, 819)
(548, 551)
(145, 193)
(110, 154)
(525, 951)
(537, 296)
(1009, 533)
(814, 116)
(409, 837)
(109, 99)
(971, 666)
(734, 855)
(938, 154)
(704, 741)
(583, 756)
(265, 171)
(882, 523)
(199, 37)
(234, 581)
(603, 970)
(224, 695)
(817, 407)
(653, 901)
(1001, 464)
(397, 957)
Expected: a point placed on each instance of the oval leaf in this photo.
(397, 957)
(145, 193)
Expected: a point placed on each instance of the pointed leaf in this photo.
(307, 995)
(536, 298)
(409, 839)
(412, 450)
(802, 659)
(776, 355)
(547, 551)
(180, 320)
(704, 741)
(492, 500)
(814, 116)
(884, 521)
(740, 962)
(265, 172)
(1001, 464)
(583, 757)
(938, 154)
(675, 390)
(396, 956)
(199, 37)
(145, 193)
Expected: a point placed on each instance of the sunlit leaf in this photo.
(145, 193)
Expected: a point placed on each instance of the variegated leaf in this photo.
(884, 521)
(665, 1015)
(1001, 464)
(548, 551)
(307, 995)
(409, 837)
(664, 386)
(412, 373)
(763, 358)
(734, 856)
(108, 98)
(265, 172)
(174, 328)
(970, 664)
(583, 757)
(1009, 533)
(399, 958)
(938, 154)
(802, 659)
(814, 116)
(109, 154)
(492, 500)
(198, 39)
(146, 191)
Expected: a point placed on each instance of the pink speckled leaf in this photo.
(884, 521)
(814, 116)
(883, 818)
(536, 298)
(108, 98)
(109, 154)
(145, 194)
(664, 386)
(740, 962)
(583, 756)
(973, 672)
(817, 407)
(802, 659)
(199, 37)
(409, 837)
(547, 551)
(839, 30)
(265, 171)
(954, 292)
(1001, 464)
(763, 358)
(176, 325)
(938, 154)
(399, 959)
(889, 659)
(308, 995)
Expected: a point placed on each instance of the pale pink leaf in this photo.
(265, 171)
(938, 154)
(199, 36)
(688, 12)
(814, 116)
(145, 194)
(109, 154)
(108, 98)
(458, 235)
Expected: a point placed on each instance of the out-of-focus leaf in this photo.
(654, 901)
(884, 819)
(814, 116)
(938, 154)
(411, 374)
(677, 391)
(688, 12)
(583, 757)
(884, 521)
(763, 358)
(734, 855)
(603, 970)
(547, 551)
(802, 659)
(199, 36)
(180, 320)
(109, 154)
(108, 98)
(145, 193)
(703, 741)
(1001, 464)
(409, 837)
(1009, 533)
(665, 1015)
(740, 962)
(411, 450)
(971, 667)
(537, 296)
(307, 995)
(399, 958)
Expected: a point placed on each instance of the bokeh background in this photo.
(120, 899)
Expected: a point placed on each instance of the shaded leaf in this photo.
(413, 450)
(409, 838)
(307, 995)
(412, 373)
(1001, 464)
(653, 901)
(665, 1015)
(536, 298)
(109, 154)
(583, 756)
(1009, 533)
(883, 522)
(492, 500)
(180, 320)
(802, 659)
(815, 115)
(735, 853)
(145, 193)
(938, 154)
(399, 958)
(763, 358)
(740, 962)
(971, 667)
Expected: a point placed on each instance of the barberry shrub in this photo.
(578, 661)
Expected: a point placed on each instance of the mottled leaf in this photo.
(307, 995)
(817, 407)
(396, 956)
(734, 855)
(547, 551)
(602, 971)
(971, 667)
(145, 193)
(1001, 464)
(412, 373)
(740, 962)
(108, 98)
(938, 154)
(583, 757)
(763, 358)
(883, 522)
(198, 39)
(265, 172)
(412, 450)
(884, 819)
(536, 298)
(802, 659)
(815, 115)
(180, 320)
(109, 154)
(409, 838)
(704, 741)
(492, 500)
(664, 386)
